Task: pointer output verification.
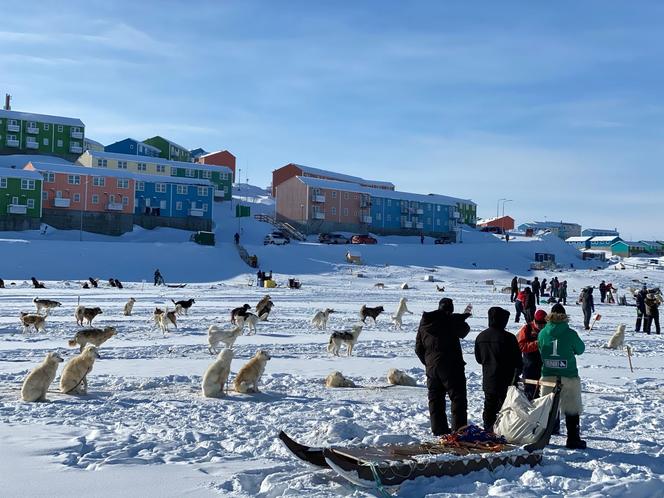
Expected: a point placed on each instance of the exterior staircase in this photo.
(287, 228)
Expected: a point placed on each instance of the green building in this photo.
(467, 212)
(220, 176)
(20, 199)
(28, 133)
(169, 150)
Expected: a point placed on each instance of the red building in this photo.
(504, 222)
(292, 170)
(219, 158)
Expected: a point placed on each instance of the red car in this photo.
(363, 239)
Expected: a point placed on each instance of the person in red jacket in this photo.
(519, 305)
(532, 360)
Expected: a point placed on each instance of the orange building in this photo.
(504, 222)
(219, 158)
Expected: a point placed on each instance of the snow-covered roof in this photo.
(78, 170)
(156, 160)
(631, 243)
(341, 176)
(578, 239)
(377, 192)
(42, 118)
(604, 238)
(156, 149)
(216, 152)
(653, 243)
(169, 179)
(19, 173)
(20, 160)
(603, 230)
(93, 142)
(549, 224)
(484, 221)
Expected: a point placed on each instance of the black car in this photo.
(333, 238)
(442, 240)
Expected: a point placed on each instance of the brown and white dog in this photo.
(264, 307)
(347, 337)
(321, 317)
(163, 318)
(46, 304)
(129, 306)
(96, 337)
(246, 380)
(32, 320)
(366, 312)
(88, 314)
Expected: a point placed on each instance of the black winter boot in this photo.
(574, 440)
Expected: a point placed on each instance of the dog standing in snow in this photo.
(618, 338)
(402, 309)
(74, 378)
(129, 306)
(83, 313)
(349, 338)
(216, 375)
(38, 381)
(246, 380)
(183, 306)
(32, 320)
(366, 312)
(400, 378)
(248, 319)
(96, 337)
(320, 318)
(46, 304)
(216, 335)
(165, 318)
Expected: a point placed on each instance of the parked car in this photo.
(333, 238)
(442, 240)
(363, 239)
(277, 238)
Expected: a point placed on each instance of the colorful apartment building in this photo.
(505, 223)
(219, 176)
(318, 205)
(219, 158)
(20, 199)
(173, 197)
(292, 170)
(132, 147)
(89, 144)
(29, 133)
(169, 150)
(564, 230)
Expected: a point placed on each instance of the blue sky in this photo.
(555, 105)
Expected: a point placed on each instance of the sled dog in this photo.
(349, 338)
(618, 338)
(38, 381)
(46, 304)
(246, 380)
(321, 317)
(216, 375)
(88, 314)
(366, 312)
(400, 378)
(74, 378)
(337, 379)
(402, 309)
(97, 337)
(217, 335)
(129, 306)
(32, 320)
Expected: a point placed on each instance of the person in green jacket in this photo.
(559, 345)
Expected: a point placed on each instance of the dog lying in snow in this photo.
(247, 319)
(321, 317)
(32, 320)
(349, 338)
(96, 337)
(241, 311)
(129, 306)
(183, 306)
(217, 335)
(400, 378)
(618, 338)
(46, 304)
(246, 380)
(83, 313)
(402, 309)
(74, 378)
(38, 381)
(216, 375)
(337, 379)
(366, 312)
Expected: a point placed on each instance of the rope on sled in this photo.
(379, 485)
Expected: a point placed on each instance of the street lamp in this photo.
(498, 206)
(505, 201)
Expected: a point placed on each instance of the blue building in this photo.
(599, 232)
(173, 197)
(580, 242)
(398, 212)
(133, 147)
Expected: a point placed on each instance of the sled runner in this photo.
(391, 465)
(176, 286)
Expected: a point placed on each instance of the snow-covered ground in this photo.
(145, 430)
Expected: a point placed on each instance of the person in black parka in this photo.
(536, 289)
(498, 352)
(529, 306)
(438, 347)
(514, 289)
(587, 305)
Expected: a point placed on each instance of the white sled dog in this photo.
(46, 304)
(248, 319)
(32, 320)
(129, 306)
(74, 378)
(246, 380)
(349, 338)
(337, 379)
(217, 335)
(400, 378)
(38, 381)
(618, 338)
(216, 375)
(321, 317)
(402, 309)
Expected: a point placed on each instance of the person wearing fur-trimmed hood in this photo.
(559, 345)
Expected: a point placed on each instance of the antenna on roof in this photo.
(8, 99)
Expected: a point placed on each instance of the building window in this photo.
(203, 191)
(31, 203)
(44, 195)
(190, 173)
(60, 128)
(77, 197)
(3, 183)
(125, 201)
(182, 189)
(389, 203)
(27, 184)
(205, 207)
(95, 199)
(334, 210)
(46, 126)
(98, 181)
(178, 206)
(45, 141)
(74, 180)
(161, 168)
(438, 208)
(14, 200)
(346, 212)
(206, 175)
(347, 196)
(140, 186)
(58, 194)
(111, 199)
(334, 195)
(122, 164)
(123, 183)
(102, 163)
(49, 177)
(160, 188)
(59, 143)
(142, 167)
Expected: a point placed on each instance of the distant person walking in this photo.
(158, 278)
(602, 291)
(236, 237)
(543, 287)
(587, 305)
(563, 292)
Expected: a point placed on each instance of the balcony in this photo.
(114, 206)
(77, 135)
(75, 148)
(32, 145)
(33, 130)
(319, 215)
(12, 143)
(196, 212)
(13, 127)
(419, 211)
(219, 193)
(318, 198)
(407, 224)
(366, 219)
(419, 225)
(17, 209)
(61, 202)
